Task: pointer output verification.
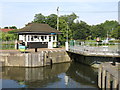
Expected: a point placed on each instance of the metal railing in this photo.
(7, 46)
(8, 42)
(95, 47)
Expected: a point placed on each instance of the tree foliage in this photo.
(115, 33)
(73, 30)
(11, 27)
(80, 29)
(8, 36)
(65, 22)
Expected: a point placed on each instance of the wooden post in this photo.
(108, 80)
(115, 83)
(35, 49)
(99, 76)
(103, 79)
(45, 59)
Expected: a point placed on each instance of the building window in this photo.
(25, 37)
(35, 36)
(53, 37)
(45, 37)
(49, 38)
(32, 38)
(28, 38)
(42, 37)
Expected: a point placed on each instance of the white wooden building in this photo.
(38, 35)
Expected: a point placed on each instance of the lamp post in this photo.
(66, 43)
(57, 18)
(67, 33)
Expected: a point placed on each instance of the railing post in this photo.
(66, 46)
(99, 76)
(115, 83)
(103, 79)
(35, 49)
(108, 80)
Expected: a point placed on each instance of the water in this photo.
(65, 75)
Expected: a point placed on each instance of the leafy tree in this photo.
(98, 31)
(13, 27)
(81, 30)
(78, 30)
(109, 26)
(64, 28)
(69, 18)
(64, 23)
(6, 27)
(51, 20)
(115, 33)
(39, 18)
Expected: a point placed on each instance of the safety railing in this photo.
(95, 47)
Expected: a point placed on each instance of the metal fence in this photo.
(94, 47)
(8, 42)
(94, 43)
(7, 45)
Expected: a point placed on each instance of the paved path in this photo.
(30, 50)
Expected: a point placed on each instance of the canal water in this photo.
(65, 75)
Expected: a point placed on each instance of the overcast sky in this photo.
(20, 12)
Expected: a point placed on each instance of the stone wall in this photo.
(37, 59)
(93, 61)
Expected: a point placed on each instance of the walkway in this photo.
(30, 50)
(87, 50)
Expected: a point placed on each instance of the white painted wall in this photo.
(28, 39)
(66, 46)
(50, 45)
(20, 37)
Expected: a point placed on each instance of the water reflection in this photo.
(65, 75)
(83, 74)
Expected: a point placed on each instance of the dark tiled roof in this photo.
(37, 27)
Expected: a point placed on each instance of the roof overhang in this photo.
(40, 33)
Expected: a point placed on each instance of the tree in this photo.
(63, 27)
(8, 36)
(52, 20)
(109, 26)
(13, 27)
(69, 18)
(64, 23)
(6, 27)
(39, 18)
(115, 33)
(98, 31)
(81, 30)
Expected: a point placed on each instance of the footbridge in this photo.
(93, 48)
(93, 54)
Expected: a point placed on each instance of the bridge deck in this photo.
(95, 51)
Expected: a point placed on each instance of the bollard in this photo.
(114, 63)
(35, 49)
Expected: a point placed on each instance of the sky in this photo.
(20, 12)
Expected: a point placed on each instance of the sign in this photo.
(22, 48)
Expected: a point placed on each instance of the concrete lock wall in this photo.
(37, 59)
